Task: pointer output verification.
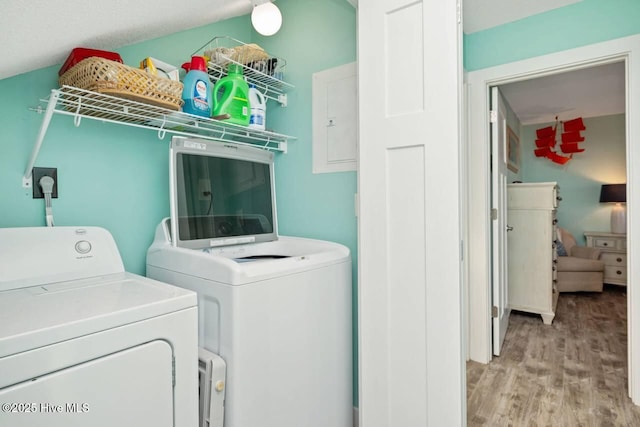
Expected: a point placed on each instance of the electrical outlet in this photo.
(204, 189)
(38, 173)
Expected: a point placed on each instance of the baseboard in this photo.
(356, 418)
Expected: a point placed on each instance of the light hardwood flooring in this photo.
(570, 373)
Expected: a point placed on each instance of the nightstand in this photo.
(614, 255)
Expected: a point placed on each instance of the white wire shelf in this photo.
(260, 68)
(270, 86)
(81, 103)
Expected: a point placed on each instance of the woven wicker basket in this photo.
(113, 78)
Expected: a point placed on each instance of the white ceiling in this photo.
(41, 33)
(483, 14)
(589, 92)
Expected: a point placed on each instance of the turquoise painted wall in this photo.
(117, 177)
(108, 175)
(602, 162)
(579, 24)
(315, 36)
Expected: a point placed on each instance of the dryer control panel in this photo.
(32, 256)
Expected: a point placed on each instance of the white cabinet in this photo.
(614, 255)
(531, 248)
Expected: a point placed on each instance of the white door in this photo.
(410, 300)
(499, 226)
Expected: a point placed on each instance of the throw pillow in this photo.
(562, 251)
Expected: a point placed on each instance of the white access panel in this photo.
(335, 118)
(92, 393)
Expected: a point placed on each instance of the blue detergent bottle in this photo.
(231, 96)
(197, 88)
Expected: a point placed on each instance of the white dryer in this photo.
(84, 343)
(276, 309)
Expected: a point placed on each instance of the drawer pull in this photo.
(559, 198)
(605, 244)
(555, 221)
(619, 259)
(618, 272)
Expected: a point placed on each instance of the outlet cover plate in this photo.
(38, 173)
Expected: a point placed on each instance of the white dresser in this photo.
(614, 255)
(532, 252)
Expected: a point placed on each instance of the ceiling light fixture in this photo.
(266, 18)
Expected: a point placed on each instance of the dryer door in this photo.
(133, 387)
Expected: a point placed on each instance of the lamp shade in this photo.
(613, 193)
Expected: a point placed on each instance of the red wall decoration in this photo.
(570, 137)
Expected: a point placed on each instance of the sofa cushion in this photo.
(569, 263)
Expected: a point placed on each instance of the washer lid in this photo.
(42, 315)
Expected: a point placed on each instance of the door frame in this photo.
(478, 214)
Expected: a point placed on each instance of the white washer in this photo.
(84, 343)
(276, 309)
(279, 314)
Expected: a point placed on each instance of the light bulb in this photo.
(266, 19)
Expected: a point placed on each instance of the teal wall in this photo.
(315, 36)
(117, 177)
(108, 175)
(579, 24)
(602, 162)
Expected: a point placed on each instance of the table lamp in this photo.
(616, 193)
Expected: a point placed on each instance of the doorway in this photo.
(527, 109)
(479, 327)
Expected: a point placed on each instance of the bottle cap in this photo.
(198, 63)
(234, 68)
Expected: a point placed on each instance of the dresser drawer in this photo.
(613, 272)
(613, 259)
(608, 243)
(540, 195)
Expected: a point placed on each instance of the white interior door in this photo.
(410, 300)
(499, 226)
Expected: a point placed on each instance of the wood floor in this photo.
(571, 373)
